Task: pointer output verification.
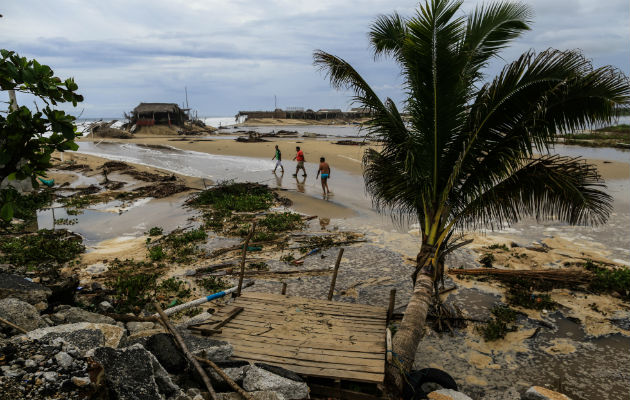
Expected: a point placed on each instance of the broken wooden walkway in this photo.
(319, 338)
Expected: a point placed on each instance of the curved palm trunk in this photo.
(406, 340)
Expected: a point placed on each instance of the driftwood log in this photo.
(556, 275)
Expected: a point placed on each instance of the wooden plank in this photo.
(322, 372)
(379, 369)
(270, 297)
(322, 318)
(319, 338)
(232, 314)
(311, 328)
(237, 342)
(324, 322)
(306, 342)
(311, 309)
(353, 364)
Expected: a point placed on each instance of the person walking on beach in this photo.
(324, 168)
(300, 161)
(278, 158)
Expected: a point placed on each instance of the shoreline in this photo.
(344, 157)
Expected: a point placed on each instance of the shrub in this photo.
(155, 231)
(235, 197)
(279, 222)
(46, 247)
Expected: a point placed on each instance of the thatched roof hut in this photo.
(159, 113)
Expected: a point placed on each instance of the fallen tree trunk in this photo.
(556, 275)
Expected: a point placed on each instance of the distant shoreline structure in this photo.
(302, 114)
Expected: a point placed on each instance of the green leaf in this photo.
(6, 212)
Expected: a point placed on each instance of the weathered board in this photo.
(311, 337)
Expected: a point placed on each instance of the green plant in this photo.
(280, 222)
(487, 259)
(44, 248)
(610, 279)
(66, 221)
(522, 296)
(133, 290)
(27, 139)
(235, 197)
(155, 231)
(259, 266)
(25, 206)
(263, 236)
(212, 284)
(500, 325)
(156, 253)
(287, 258)
(497, 246)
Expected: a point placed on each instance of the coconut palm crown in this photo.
(474, 153)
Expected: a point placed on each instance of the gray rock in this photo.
(105, 306)
(260, 379)
(21, 314)
(74, 314)
(135, 327)
(80, 381)
(64, 360)
(541, 393)
(133, 373)
(259, 395)
(234, 369)
(163, 347)
(50, 376)
(17, 287)
(447, 394)
(83, 335)
(215, 350)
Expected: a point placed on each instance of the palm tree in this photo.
(468, 156)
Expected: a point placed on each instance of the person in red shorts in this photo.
(299, 157)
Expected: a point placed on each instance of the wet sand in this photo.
(344, 157)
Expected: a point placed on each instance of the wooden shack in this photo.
(148, 114)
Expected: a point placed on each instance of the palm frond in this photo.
(489, 29)
(387, 35)
(547, 188)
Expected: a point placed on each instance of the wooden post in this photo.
(334, 277)
(242, 274)
(284, 288)
(187, 353)
(392, 303)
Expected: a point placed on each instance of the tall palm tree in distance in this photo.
(474, 153)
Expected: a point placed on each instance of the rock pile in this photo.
(72, 353)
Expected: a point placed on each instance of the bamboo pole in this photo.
(334, 277)
(186, 352)
(229, 380)
(284, 288)
(242, 275)
(12, 325)
(392, 303)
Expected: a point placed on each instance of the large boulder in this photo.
(541, 393)
(260, 395)
(235, 369)
(21, 314)
(164, 348)
(83, 335)
(201, 346)
(17, 287)
(133, 373)
(260, 379)
(447, 394)
(73, 315)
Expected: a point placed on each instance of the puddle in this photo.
(112, 219)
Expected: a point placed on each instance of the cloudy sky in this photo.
(236, 55)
